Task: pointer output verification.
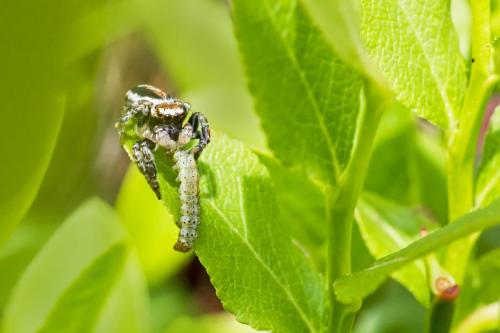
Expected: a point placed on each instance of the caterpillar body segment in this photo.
(188, 178)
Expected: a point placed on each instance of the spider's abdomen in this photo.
(189, 199)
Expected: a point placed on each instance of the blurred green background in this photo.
(65, 69)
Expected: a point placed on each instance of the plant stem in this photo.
(463, 139)
(342, 201)
(441, 316)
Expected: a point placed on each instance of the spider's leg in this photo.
(142, 152)
(201, 131)
(131, 110)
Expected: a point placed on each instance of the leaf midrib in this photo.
(259, 259)
(307, 87)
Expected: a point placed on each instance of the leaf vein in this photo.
(440, 85)
(259, 259)
(307, 87)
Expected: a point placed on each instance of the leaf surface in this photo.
(301, 205)
(360, 284)
(481, 284)
(35, 71)
(339, 21)
(258, 273)
(387, 228)
(407, 166)
(307, 99)
(415, 46)
(488, 182)
(69, 281)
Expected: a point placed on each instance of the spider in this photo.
(159, 120)
(152, 119)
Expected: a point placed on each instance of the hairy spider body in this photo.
(153, 119)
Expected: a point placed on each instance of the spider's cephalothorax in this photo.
(152, 119)
(149, 102)
(161, 119)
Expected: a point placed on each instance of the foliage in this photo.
(373, 166)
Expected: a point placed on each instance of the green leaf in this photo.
(21, 179)
(68, 179)
(415, 46)
(69, 281)
(34, 71)
(240, 228)
(462, 20)
(408, 164)
(360, 284)
(127, 307)
(340, 23)
(429, 172)
(151, 227)
(17, 253)
(390, 174)
(82, 300)
(392, 309)
(488, 182)
(387, 228)
(492, 140)
(246, 230)
(307, 99)
(481, 284)
(301, 205)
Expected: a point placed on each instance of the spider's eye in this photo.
(186, 106)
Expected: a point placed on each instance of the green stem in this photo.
(463, 139)
(341, 203)
(441, 316)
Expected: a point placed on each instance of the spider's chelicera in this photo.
(158, 120)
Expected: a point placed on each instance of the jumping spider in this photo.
(151, 119)
(159, 120)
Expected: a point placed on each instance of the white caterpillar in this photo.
(188, 177)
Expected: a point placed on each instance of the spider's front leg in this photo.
(201, 131)
(139, 110)
(142, 153)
